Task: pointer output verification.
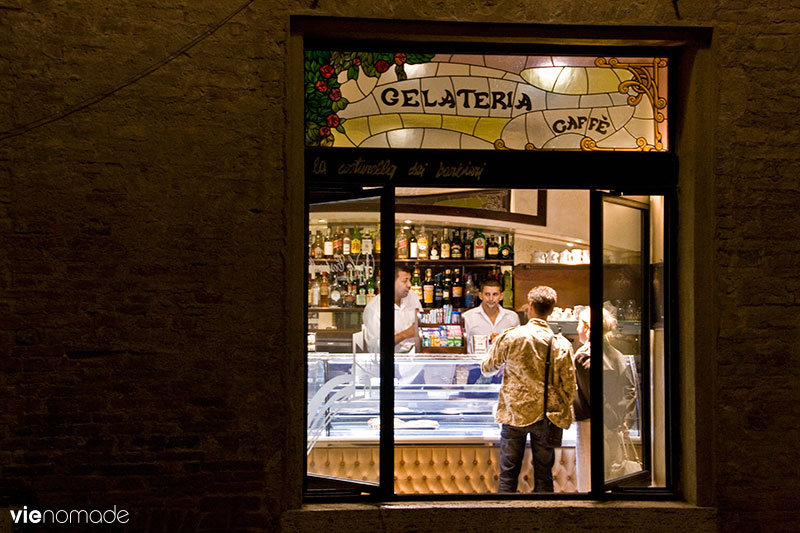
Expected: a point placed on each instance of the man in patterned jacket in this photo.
(520, 407)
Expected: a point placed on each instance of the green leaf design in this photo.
(414, 59)
(340, 128)
(352, 73)
(338, 106)
(401, 72)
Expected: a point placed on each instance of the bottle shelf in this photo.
(336, 309)
(473, 262)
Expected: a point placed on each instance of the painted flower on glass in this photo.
(324, 99)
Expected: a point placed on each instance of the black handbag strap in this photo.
(547, 374)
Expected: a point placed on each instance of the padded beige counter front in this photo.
(421, 469)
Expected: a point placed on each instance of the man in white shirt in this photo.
(406, 303)
(489, 319)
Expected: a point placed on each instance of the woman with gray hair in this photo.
(619, 398)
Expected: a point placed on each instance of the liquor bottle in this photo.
(402, 244)
(366, 243)
(346, 242)
(434, 252)
(456, 246)
(337, 242)
(438, 291)
(361, 292)
(508, 290)
(315, 292)
(327, 244)
(470, 293)
(371, 289)
(422, 244)
(446, 288)
(427, 289)
(467, 246)
(318, 250)
(349, 295)
(444, 246)
(413, 246)
(479, 245)
(416, 283)
(493, 248)
(378, 241)
(506, 251)
(356, 242)
(335, 293)
(457, 289)
(324, 291)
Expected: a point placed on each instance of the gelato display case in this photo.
(446, 437)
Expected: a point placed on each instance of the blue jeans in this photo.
(512, 450)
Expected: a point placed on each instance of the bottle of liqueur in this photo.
(378, 241)
(402, 244)
(446, 288)
(444, 246)
(352, 289)
(315, 294)
(327, 244)
(346, 242)
(438, 292)
(371, 288)
(427, 289)
(416, 283)
(335, 296)
(356, 242)
(366, 243)
(456, 246)
(479, 245)
(318, 250)
(467, 246)
(457, 289)
(470, 292)
(506, 251)
(324, 291)
(508, 290)
(434, 253)
(361, 292)
(413, 245)
(422, 244)
(492, 248)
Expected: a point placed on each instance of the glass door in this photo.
(343, 358)
(627, 335)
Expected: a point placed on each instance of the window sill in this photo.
(525, 515)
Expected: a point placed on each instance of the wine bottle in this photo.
(324, 291)
(366, 243)
(413, 246)
(346, 241)
(457, 289)
(328, 244)
(466, 246)
(438, 291)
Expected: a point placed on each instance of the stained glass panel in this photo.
(493, 102)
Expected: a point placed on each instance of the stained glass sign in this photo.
(493, 102)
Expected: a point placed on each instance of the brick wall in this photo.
(144, 357)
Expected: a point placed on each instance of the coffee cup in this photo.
(552, 256)
(539, 256)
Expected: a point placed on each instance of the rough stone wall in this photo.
(143, 265)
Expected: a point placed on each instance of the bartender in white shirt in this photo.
(485, 322)
(406, 303)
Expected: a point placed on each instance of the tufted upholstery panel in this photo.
(437, 469)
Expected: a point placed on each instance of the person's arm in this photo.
(566, 371)
(495, 357)
(405, 334)
(372, 320)
(582, 373)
